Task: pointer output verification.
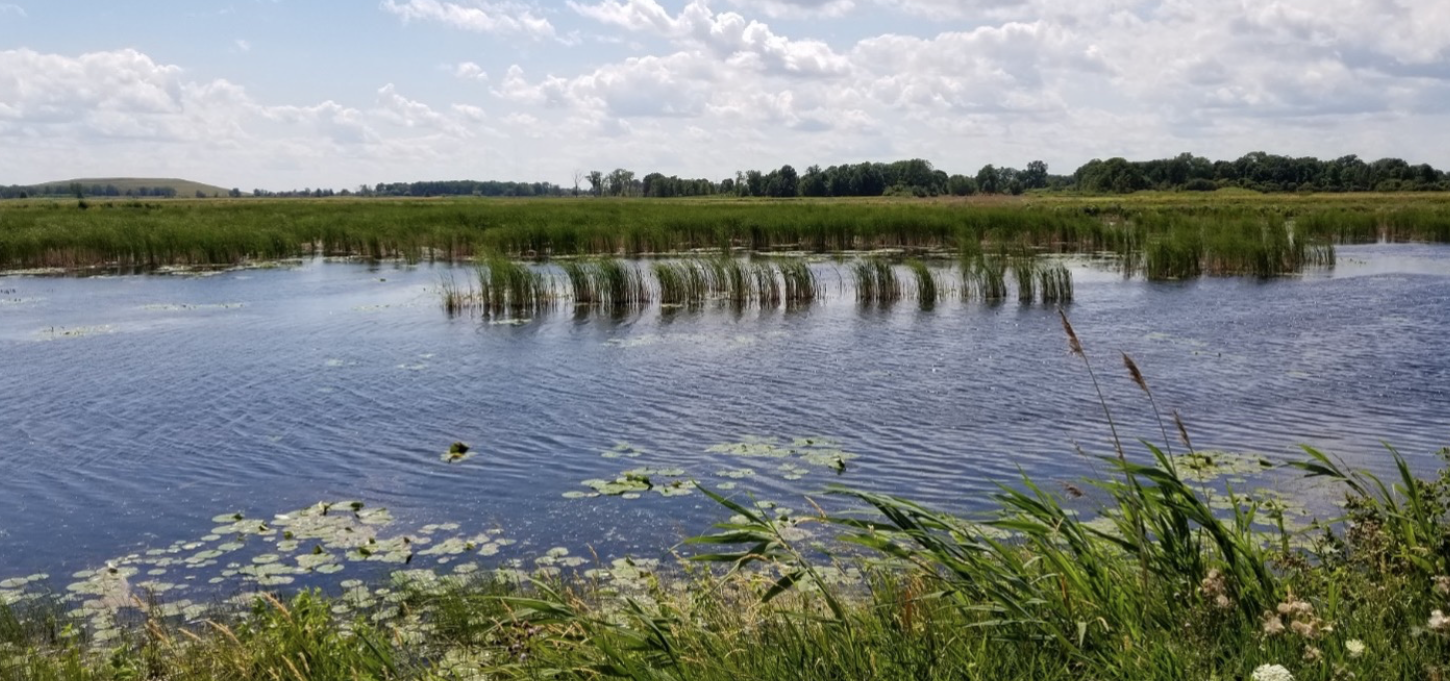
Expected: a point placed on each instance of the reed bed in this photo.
(130, 235)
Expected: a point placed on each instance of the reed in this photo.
(876, 281)
(137, 236)
(799, 281)
(508, 287)
(1024, 270)
(984, 278)
(927, 292)
(607, 283)
(1054, 283)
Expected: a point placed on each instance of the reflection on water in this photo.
(137, 408)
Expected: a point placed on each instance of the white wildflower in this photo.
(1355, 647)
(1438, 621)
(1271, 672)
(1442, 585)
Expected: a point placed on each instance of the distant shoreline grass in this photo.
(1167, 235)
(1174, 574)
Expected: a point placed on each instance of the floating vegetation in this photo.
(310, 544)
(625, 450)
(457, 452)
(816, 451)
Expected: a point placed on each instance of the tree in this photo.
(596, 183)
(961, 185)
(987, 180)
(814, 182)
(1035, 176)
(784, 183)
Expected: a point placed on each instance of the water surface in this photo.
(136, 408)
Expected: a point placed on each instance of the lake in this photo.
(139, 409)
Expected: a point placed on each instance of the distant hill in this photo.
(124, 186)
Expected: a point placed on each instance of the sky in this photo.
(284, 94)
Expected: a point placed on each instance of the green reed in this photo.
(927, 291)
(1054, 283)
(876, 281)
(508, 287)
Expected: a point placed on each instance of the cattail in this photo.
(1137, 375)
(1072, 342)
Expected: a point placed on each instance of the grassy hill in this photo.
(184, 188)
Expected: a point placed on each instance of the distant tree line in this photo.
(1258, 171)
(78, 190)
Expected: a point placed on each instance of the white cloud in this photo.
(7, 8)
(475, 15)
(243, 45)
(470, 71)
(704, 87)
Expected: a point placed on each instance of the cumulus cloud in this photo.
(477, 15)
(701, 87)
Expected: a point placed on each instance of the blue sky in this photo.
(286, 93)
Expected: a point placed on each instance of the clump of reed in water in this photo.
(927, 291)
(799, 280)
(876, 281)
(509, 287)
(454, 298)
(984, 278)
(1024, 270)
(1054, 283)
(607, 283)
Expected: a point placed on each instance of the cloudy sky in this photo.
(291, 93)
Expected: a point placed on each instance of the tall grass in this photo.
(876, 281)
(514, 288)
(140, 236)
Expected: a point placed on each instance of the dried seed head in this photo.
(1182, 431)
(1072, 342)
(1133, 370)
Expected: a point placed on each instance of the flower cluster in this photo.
(1296, 616)
(1271, 672)
(1214, 589)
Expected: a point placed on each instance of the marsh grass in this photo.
(1054, 283)
(927, 291)
(140, 236)
(984, 278)
(876, 281)
(508, 287)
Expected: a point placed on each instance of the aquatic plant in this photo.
(876, 281)
(927, 292)
(506, 286)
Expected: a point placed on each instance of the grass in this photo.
(1176, 236)
(1144, 572)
